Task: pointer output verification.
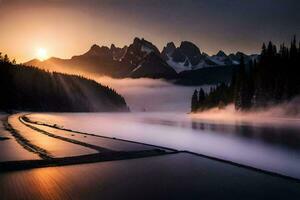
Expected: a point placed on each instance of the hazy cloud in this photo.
(152, 95)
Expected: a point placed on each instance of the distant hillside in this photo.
(33, 89)
(207, 75)
(143, 59)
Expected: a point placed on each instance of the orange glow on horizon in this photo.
(42, 54)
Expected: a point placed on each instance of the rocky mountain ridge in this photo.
(142, 59)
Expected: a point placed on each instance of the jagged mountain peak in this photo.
(170, 45)
(189, 57)
(112, 46)
(185, 57)
(204, 55)
(144, 45)
(240, 54)
(138, 50)
(143, 57)
(168, 50)
(221, 54)
(94, 47)
(153, 66)
(96, 50)
(136, 40)
(189, 48)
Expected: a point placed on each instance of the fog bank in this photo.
(287, 113)
(152, 94)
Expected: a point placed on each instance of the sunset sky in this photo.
(68, 27)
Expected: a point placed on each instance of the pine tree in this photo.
(240, 85)
(201, 99)
(264, 50)
(201, 95)
(194, 102)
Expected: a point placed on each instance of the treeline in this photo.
(32, 89)
(272, 79)
(218, 96)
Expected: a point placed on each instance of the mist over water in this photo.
(152, 95)
(157, 95)
(286, 114)
(265, 146)
(267, 138)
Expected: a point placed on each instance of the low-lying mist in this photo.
(157, 95)
(146, 94)
(287, 113)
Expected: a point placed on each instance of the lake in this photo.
(272, 145)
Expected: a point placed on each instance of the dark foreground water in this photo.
(272, 146)
(177, 176)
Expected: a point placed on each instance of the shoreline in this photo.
(26, 119)
(49, 160)
(131, 171)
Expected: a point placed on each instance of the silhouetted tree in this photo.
(194, 102)
(201, 96)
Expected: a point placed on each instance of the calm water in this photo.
(273, 146)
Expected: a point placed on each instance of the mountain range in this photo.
(143, 59)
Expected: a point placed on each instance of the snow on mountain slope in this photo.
(218, 60)
(189, 57)
(134, 60)
(179, 66)
(146, 49)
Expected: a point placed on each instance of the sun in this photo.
(41, 54)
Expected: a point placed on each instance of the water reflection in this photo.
(284, 136)
(288, 137)
(269, 146)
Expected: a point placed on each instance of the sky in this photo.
(65, 28)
